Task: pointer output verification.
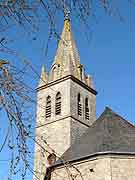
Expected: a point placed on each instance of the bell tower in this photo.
(66, 102)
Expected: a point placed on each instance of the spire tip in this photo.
(66, 14)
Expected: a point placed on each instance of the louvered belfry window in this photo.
(87, 109)
(58, 103)
(79, 105)
(48, 106)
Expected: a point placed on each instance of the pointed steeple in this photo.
(67, 60)
(43, 77)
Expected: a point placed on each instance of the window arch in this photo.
(54, 72)
(48, 106)
(51, 159)
(87, 109)
(79, 105)
(58, 103)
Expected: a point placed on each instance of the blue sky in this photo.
(109, 56)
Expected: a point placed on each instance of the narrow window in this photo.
(48, 106)
(51, 159)
(54, 73)
(87, 109)
(79, 106)
(58, 103)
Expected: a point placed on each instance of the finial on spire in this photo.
(67, 19)
(66, 13)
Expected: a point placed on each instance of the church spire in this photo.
(67, 60)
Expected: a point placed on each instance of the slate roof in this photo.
(110, 133)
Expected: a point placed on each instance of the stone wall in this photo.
(69, 91)
(84, 93)
(101, 168)
(60, 131)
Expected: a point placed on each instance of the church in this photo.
(71, 144)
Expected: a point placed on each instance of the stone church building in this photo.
(71, 143)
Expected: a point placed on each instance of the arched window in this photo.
(51, 159)
(87, 109)
(58, 103)
(55, 70)
(79, 106)
(48, 106)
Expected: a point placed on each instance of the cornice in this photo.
(66, 78)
